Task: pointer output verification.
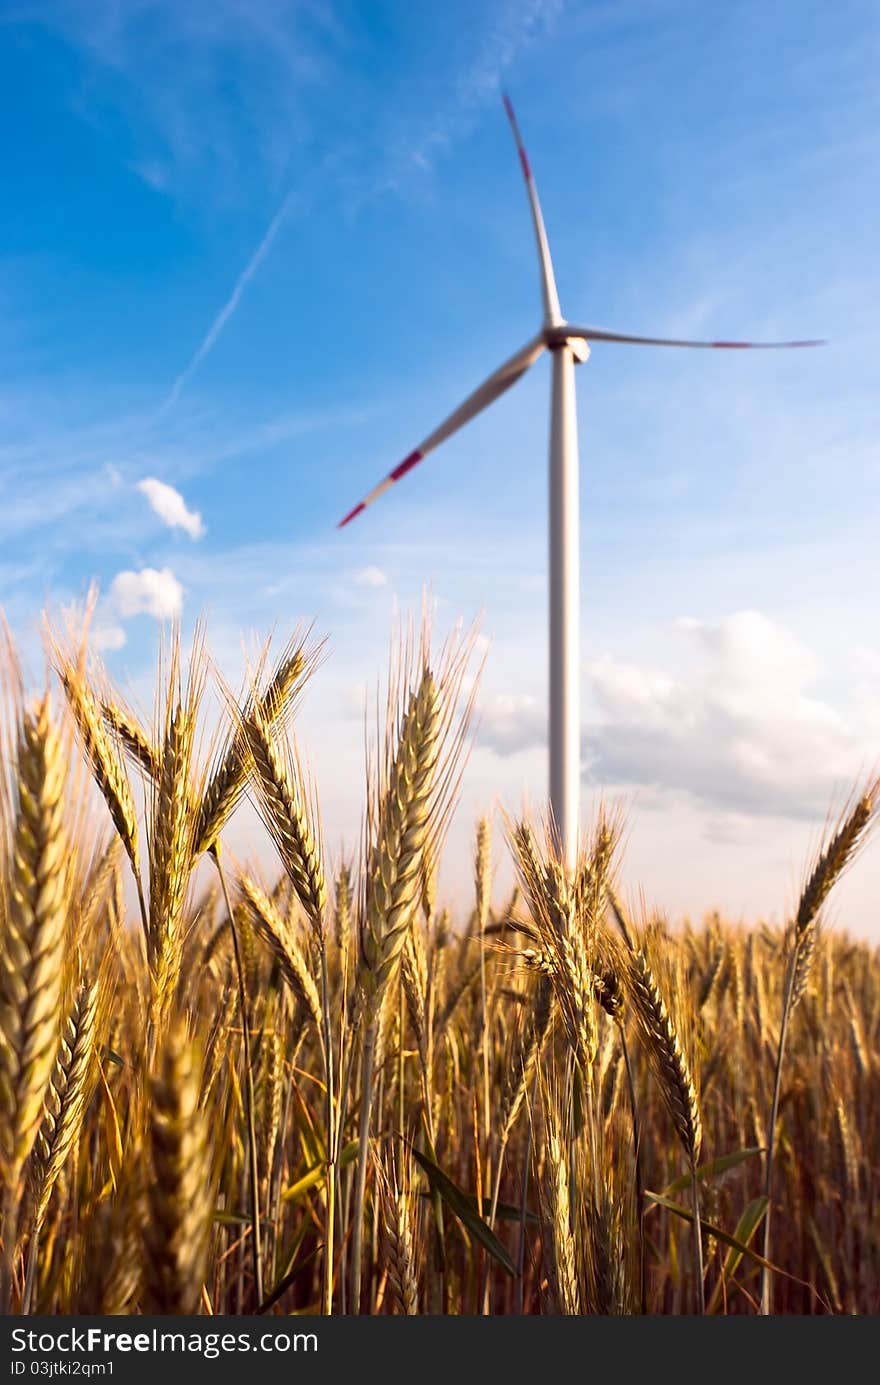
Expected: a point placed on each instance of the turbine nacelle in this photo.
(560, 335)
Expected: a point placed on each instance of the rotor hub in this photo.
(557, 336)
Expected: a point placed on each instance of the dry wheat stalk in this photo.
(106, 766)
(844, 1150)
(342, 919)
(404, 826)
(483, 873)
(401, 1240)
(179, 1202)
(273, 1081)
(831, 864)
(32, 952)
(67, 1097)
(228, 780)
(279, 938)
(170, 856)
(667, 1055)
(102, 881)
(606, 1250)
(414, 974)
(527, 1055)
(563, 944)
(564, 1249)
(109, 1270)
(134, 738)
(287, 818)
(802, 943)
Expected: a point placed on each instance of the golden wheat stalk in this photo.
(396, 1206)
(564, 1249)
(282, 943)
(415, 796)
(802, 943)
(109, 1256)
(170, 858)
(342, 913)
(562, 933)
(31, 959)
(32, 952)
(523, 1065)
(229, 779)
(126, 727)
(67, 1097)
(677, 1086)
(101, 883)
(667, 1055)
(404, 826)
(179, 1200)
(286, 815)
(107, 768)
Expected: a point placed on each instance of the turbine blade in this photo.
(502, 379)
(599, 334)
(552, 311)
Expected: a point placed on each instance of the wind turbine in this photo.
(567, 345)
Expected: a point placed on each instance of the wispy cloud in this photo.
(171, 507)
(212, 96)
(212, 335)
(518, 26)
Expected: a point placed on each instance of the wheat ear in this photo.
(287, 818)
(677, 1086)
(177, 1227)
(664, 1048)
(280, 940)
(134, 738)
(170, 858)
(404, 825)
(562, 937)
(393, 890)
(31, 958)
(803, 937)
(228, 781)
(396, 1204)
(565, 1252)
(106, 767)
(67, 1097)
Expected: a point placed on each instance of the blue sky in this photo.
(253, 252)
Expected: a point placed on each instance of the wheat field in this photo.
(227, 1089)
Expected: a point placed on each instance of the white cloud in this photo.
(739, 732)
(171, 507)
(108, 637)
(152, 591)
(370, 577)
(511, 722)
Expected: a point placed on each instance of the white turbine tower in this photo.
(567, 345)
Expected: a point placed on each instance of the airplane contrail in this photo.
(210, 338)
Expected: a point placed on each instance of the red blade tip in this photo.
(406, 465)
(352, 514)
